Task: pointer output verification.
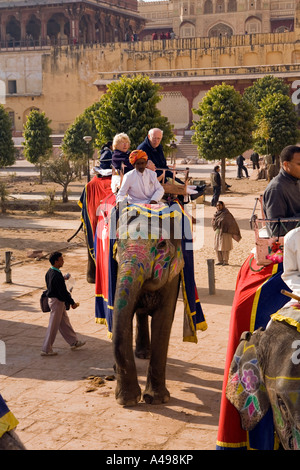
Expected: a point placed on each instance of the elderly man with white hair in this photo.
(156, 159)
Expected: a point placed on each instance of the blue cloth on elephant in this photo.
(7, 419)
(105, 285)
(257, 297)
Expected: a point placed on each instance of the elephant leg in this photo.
(162, 320)
(142, 339)
(128, 391)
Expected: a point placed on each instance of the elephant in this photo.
(149, 270)
(264, 373)
(148, 284)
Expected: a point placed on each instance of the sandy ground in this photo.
(58, 406)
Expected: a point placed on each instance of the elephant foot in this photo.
(142, 353)
(128, 399)
(156, 398)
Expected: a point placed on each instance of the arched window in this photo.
(220, 29)
(220, 6)
(232, 6)
(208, 7)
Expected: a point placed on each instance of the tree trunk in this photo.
(223, 174)
(65, 194)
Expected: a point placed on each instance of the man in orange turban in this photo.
(140, 185)
(137, 155)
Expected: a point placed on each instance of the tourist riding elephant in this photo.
(265, 371)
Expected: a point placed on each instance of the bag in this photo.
(44, 302)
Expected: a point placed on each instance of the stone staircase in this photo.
(186, 150)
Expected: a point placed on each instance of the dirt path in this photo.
(59, 407)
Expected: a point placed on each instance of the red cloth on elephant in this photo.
(94, 192)
(257, 296)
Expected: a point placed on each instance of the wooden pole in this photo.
(211, 276)
(8, 266)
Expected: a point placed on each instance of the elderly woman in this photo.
(120, 146)
(226, 228)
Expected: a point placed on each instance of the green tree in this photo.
(225, 124)
(263, 87)
(37, 141)
(73, 144)
(276, 124)
(7, 151)
(61, 170)
(130, 106)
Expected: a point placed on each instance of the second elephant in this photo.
(265, 373)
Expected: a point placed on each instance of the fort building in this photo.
(63, 79)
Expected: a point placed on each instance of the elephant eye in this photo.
(282, 406)
(161, 244)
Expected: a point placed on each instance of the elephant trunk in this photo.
(129, 282)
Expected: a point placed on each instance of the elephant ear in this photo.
(245, 388)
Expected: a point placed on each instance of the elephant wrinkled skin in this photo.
(264, 372)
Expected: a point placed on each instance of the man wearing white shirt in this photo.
(141, 184)
(291, 261)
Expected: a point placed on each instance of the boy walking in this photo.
(58, 296)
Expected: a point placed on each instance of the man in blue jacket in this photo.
(58, 297)
(156, 159)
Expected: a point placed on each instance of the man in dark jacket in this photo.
(241, 166)
(156, 159)
(255, 160)
(58, 297)
(215, 179)
(281, 198)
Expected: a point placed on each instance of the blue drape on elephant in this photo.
(94, 192)
(257, 297)
(7, 419)
(105, 288)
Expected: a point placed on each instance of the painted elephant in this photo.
(148, 284)
(151, 260)
(265, 372)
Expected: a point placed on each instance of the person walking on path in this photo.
(215, 179)
(241, 166)
(58, 296)
(226, 228)
(255, 160)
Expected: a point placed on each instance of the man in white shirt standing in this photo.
(141, 184)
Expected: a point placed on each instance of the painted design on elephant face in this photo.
(176, 261)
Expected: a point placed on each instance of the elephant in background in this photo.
(265, 372)
(147, 284)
